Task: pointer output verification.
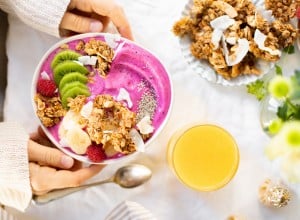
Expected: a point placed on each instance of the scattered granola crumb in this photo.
(80, 45)
(64, 46)
(235, 217)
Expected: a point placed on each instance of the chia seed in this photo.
(147, 105)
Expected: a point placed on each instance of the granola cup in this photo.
(101, 98)
(205, 70)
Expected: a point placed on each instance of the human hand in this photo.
(50, 169)
(84, 16)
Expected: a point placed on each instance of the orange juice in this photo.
(203, 157)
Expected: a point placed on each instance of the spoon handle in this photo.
(59, 193)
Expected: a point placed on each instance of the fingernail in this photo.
(95, 26)
(66, 161)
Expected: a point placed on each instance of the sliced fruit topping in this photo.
(298, 13)
(72, 77)
(64, 56)
(72, 93)
(78, 140)
(67, 67)
(95, 153)
(71, 85)
(46, 87)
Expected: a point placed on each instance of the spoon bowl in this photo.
(132, 175)
(129, 176)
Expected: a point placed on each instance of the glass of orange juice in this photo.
(203, 157)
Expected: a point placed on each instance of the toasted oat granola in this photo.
(49, 110)
(279, 34)
(109, 124)
(103, 52)
(283, 10)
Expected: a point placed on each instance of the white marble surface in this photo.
(195, 100)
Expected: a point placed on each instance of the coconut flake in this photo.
(227, 8)
(145, 125)
(88, 60)
(76, 61)
(124, 95)
(259, 39)
(137, 140)
(266, 14)
(86, 110)
(240, 52)
(231, 40)
(216, 37)
(120, 46)
(220, 24)
(45, 75)
(112, 40)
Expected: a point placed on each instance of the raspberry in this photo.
(298, 13)
(95, 153)
(46, 87)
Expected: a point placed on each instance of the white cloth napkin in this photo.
(195, 100)
(129, 210)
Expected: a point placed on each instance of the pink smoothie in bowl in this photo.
(121, 102)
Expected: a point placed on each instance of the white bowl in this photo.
(156, 75)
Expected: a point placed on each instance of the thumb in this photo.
(80, 24)
(48, 156)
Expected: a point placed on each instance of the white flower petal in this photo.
(290, 167)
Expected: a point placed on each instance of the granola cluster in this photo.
(49, 110)
(109, 123)
(103, 52)
(283, 10)
(238, 36)
(273, 195)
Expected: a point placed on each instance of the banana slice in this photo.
(78, 140)
(70, 120)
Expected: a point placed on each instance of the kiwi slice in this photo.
(71, 85)
(67, 67)
(72, 93)
(64, 56)
(72, 77)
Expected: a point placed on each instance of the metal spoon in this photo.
(127, 177)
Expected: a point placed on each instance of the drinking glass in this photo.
(203, 157)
